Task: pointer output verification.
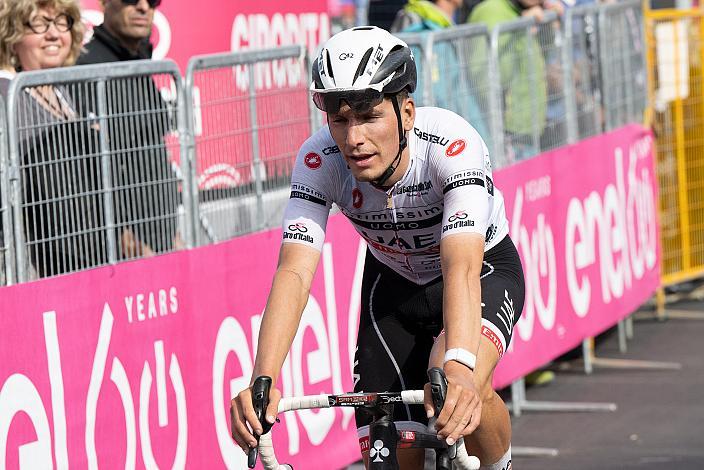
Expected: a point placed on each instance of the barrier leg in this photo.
(622, 346)
(518, 392)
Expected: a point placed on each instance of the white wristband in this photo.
(462, 356)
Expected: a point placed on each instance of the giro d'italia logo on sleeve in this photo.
(313, 161)
(456, 148)
(357, 198)
(298, 231)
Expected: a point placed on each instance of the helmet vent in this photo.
(329, 67)
(362, 64)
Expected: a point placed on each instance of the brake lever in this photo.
(260, 401)
(438, 391)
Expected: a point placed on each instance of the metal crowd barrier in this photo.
(92, 154)
(7, 267)
(249, 113)
(675, 45)
(622, 59)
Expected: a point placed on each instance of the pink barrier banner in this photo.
(133, 366)
(584, 219)
(183, 29)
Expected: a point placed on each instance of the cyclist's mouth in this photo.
(361, 160)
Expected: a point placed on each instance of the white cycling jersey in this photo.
(446, 189)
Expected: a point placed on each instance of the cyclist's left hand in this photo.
(463, 406)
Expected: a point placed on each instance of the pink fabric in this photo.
(136, 363)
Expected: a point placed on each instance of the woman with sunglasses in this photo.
(60, 176)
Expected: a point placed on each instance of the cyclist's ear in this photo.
(428, 401)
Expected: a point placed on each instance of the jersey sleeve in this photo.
(308, 207)
(460, 172)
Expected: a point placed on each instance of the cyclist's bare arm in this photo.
(461, 259)
(287, 299)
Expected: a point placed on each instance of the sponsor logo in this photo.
(357, 198)
(386, 399)
(416, 189)
(364, 443)
(457, 220)
(299, 233)
(313, 161)
(407, 435)
(456, 148)
(378, 452)
(346, 55)
(490, 232)
(433, 139)
(494, 339)
(331, 150)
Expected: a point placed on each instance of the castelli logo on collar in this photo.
(357, 198)
(456, 148)
(313, 161)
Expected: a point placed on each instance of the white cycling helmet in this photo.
(360, 66)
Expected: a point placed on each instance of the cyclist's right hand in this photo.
(244, 423)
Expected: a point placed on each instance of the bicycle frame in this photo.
(384, 438)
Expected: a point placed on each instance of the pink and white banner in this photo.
(133, 366)
(184, 29)
(584, 219)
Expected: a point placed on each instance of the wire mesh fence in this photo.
(676, 64)
(583, 84)
(622, 59)
(95, 150)
(251, 111)
(6, 242)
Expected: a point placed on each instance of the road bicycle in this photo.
(384, 438)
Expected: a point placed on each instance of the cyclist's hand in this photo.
(463, 406)
(243, 420)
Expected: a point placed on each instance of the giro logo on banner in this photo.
(456, 148)
(313, 161)
(357, 198)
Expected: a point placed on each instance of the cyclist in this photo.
(440, 267)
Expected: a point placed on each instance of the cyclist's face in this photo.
(369, 141)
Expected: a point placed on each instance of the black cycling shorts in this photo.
(400, 321)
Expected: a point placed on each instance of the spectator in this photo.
(381, 13)
(62, 206)
(146, 187)
(453, 89)
(523, 83)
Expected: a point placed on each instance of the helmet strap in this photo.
(402, 142)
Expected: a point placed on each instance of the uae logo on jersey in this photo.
(357, 198)
(313, 161)
(456, 148)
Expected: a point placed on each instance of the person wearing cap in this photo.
(442, 285)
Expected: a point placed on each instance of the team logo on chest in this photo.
(313, 161)
(357, 198)
(456, 148)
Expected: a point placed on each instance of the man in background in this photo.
(146, 197)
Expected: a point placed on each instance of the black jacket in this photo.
(146, 190)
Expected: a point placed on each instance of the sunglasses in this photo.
(152, 3)
(360, 101)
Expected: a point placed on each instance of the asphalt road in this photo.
(659, 420)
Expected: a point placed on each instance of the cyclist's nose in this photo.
(355, 135)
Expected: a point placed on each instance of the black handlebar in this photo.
(260, 401)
